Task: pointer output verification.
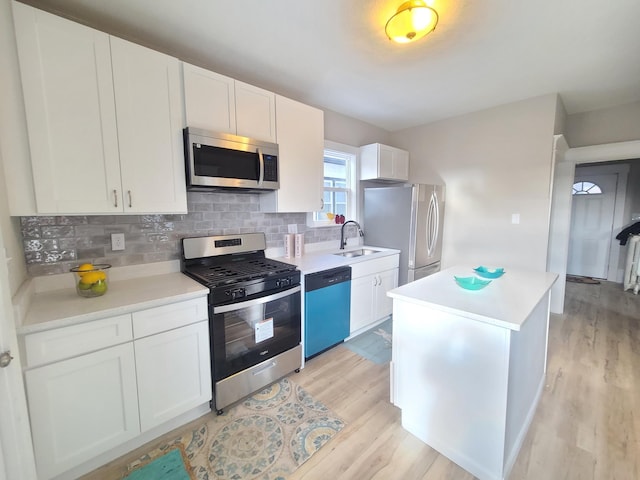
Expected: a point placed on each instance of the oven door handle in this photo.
(255, 301)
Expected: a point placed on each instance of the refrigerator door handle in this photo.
(432, 224)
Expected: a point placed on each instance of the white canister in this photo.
(289, 245)
(299, 244)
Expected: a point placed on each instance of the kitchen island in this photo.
(468, 367)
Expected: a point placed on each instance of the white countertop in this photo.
(506, 302)
(63, 307)
(326, 259)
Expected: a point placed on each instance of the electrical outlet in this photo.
(117, 241)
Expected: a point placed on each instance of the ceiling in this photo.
(334, 54)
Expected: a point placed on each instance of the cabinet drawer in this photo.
(369, 267)
(66, 342)
(167, 317)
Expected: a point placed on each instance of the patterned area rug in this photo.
(265, 437)
(375, 344)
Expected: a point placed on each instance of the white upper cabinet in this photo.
(210, 100)
(71, 116)
(300, 131)
(85, 158)
(149, 118)
(221, 104)
(382, 162)
(255, 112)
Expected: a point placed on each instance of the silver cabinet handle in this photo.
(5, 359)
(115, 198)
(129, 192)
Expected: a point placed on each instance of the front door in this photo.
(591, 225)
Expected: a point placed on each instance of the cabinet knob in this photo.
(5, 359)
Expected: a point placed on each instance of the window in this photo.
(339, 184)
(586, 188)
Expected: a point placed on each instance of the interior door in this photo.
(591, 227)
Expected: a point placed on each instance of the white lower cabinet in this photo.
(95, 385)
(82, 407)
(173, 373)
(370, 282)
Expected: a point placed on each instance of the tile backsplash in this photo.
(53, 244)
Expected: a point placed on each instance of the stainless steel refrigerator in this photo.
(407, 217)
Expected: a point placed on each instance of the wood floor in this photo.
(587, 425)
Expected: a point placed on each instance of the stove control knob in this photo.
(236, 293)
(283, 282)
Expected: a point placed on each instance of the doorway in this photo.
(592, 211)
(596, 216)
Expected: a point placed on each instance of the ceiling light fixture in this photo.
(412, 20)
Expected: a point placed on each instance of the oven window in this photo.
(249, 335)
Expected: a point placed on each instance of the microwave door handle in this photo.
(261, 162)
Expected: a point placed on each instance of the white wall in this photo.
(495, 163)
(342, 129)
(608, 125)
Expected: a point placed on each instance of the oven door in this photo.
(246, 333)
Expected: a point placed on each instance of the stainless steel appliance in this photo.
(254, 312)
(327, 307)
(409, 218)
(224, 161)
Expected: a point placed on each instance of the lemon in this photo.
(92, 277)
(84, 268)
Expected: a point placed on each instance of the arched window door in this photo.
(586, 188)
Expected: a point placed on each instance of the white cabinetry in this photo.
(300, 130)
(86, 402)
(370, 282)
(99, 108)
(382, 162)
(218, 103)
(93, 386)
(149, 118)
(173, 369)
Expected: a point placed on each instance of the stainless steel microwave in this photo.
(224, 161)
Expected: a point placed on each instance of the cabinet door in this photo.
(82, 407)
(393, 163)
(149, 115)
(255, 112)
(174, 373)
(210, 101)
(385, 281)
(71, 119)
(361, 302)
(301, 160)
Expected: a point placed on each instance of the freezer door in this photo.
(418, 273)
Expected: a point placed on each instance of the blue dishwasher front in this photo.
(327, 302)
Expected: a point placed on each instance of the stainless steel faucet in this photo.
(343, 242)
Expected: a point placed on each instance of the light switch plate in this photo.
(117, 241)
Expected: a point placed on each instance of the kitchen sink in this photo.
(357, 253)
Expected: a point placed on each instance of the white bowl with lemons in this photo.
(91, 280)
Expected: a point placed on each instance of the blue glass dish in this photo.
(487, 272)
(471, 283)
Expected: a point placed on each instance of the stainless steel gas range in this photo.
(254, 312)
